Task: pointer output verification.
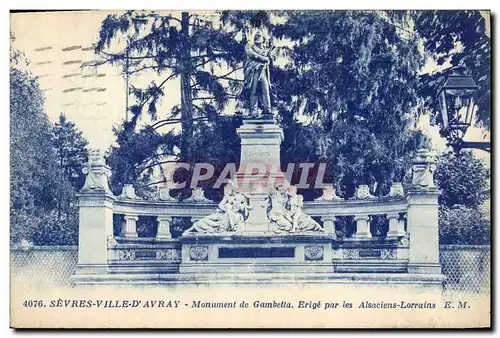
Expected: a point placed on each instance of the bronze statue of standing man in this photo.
(257, 84)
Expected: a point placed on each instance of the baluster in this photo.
(123, 227)
(164, 227)
(362, 226)
(329, 225)
(131, 225)
(396, 226)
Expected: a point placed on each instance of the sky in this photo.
(42, 37)
(57, 44)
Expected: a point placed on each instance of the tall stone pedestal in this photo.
(259, 168)
(96, 226)
(95, 202)
(424, 231)
(423, 225)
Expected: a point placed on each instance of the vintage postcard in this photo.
(250, 169)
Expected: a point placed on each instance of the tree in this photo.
(32, 155)
(40, 194)
(188, 47)
(355, 77)
(37, 184)
(460, 38)
(137, 154)
(462, 178)
(214, 142)
(71, 150)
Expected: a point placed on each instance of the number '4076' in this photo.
(33, 303)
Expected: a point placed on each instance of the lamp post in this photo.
(456, 100)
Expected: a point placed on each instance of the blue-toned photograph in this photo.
(250, 169)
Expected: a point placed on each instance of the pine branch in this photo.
(121, 56)
(204, 98)
(157, 89)
(165, 122)
(202, 63)
(211, 56)
(225, 76)
(169, 17)
(150, 184)
(152, 67)
(154, 165)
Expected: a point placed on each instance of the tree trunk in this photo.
(186, 97)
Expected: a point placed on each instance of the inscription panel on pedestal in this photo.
(258, 153)
(385, 253)
(141, 254)
(250, 252)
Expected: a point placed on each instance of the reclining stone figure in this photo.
(285, 213)
(231, 214)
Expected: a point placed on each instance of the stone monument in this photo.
(259, 226)
(262, 230)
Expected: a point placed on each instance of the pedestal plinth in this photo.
(260, 143)
(244, 254)
(259, 168)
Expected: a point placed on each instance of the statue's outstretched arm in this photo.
(254, 55)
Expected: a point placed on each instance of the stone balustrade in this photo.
(327, 211)
(362, 211)
(418, 205)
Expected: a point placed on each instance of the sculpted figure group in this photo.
(284, 211)
(231, 213)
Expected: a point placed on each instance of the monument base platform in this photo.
(426, 281)
(265, 253)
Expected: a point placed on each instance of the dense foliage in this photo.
(43, 168)
(463, 180)
(360, 124)
(458, 38)
(463, 225)
(71, 150)
(355, 77)
(347, 86)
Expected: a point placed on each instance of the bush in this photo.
(463, 225)
(463, 179)
(46, 228)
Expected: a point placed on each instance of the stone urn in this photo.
(396, 190)
(363, 193)
(128, 191)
